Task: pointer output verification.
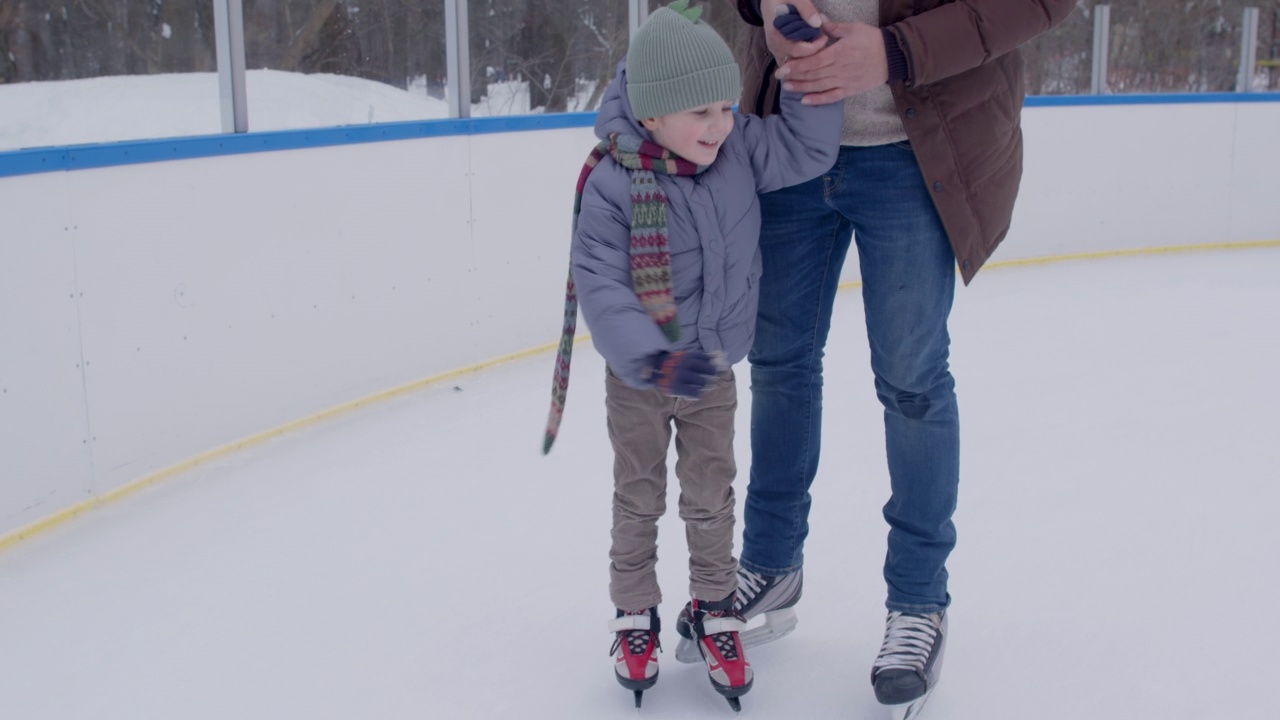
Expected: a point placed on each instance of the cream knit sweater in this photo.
(870, 118)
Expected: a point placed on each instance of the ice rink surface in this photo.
(419, 558)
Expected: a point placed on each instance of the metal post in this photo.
(458, 49)
(1101, 48)
(228, 28)
(639, 13)
(1248, 50)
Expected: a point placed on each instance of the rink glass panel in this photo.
(543, 56)
(1193, 49)
(1059, 61)
(355, 63)
(69, 43)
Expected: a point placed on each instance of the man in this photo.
(928, 171)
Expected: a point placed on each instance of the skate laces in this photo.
(725, 641)
(749, 585)
(908, 640)
(637, 640)
(758, 593)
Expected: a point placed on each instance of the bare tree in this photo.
(1058, 62)
(87, 38)
(1183, 46)
(564, 49)
(609, 36)
(307, 37)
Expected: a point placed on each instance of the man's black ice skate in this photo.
(713, 628)
(635, 648)
(766, 604)
(910, 662)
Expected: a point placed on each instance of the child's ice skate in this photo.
(766, 604)
(713, 627)
(635, 648)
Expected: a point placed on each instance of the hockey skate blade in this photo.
(759, 631)
(909, 710)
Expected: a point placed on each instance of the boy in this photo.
(666, 262)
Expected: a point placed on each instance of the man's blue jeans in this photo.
(877, 195)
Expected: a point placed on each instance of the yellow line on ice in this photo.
(1107, 254)
(133, 486)
(58, 518)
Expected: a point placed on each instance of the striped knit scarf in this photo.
(650, 256)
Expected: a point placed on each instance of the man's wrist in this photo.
(899, 67)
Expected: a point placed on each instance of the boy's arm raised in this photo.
(793, 146)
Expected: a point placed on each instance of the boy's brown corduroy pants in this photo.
(640, 427)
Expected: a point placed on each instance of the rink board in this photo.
(157, 314)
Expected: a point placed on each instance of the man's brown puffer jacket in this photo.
(961, 107)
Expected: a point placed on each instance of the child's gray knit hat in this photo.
(677, 62)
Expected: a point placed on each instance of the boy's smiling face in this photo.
(695, 134)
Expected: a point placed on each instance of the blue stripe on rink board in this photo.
(97, 155)
(1150, 99)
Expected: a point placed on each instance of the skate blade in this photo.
(910, 710)
(776, 625)
(687, 652)
(761, 630)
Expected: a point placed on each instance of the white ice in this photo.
(420, 559)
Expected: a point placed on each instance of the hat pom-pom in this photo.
(690, 14)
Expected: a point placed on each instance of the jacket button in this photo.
(911, 112)
(937, 186)
(965, 265)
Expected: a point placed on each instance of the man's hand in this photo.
(853, 63)
(782, 48)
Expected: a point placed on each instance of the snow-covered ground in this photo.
(110, 109)
(420, 559)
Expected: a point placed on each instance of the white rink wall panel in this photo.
(151, 314)
(521, 213)
(1101, 177)
(228, 298)
(1255, 176)
(45, 461)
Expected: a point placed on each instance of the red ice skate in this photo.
(716, 627)
(635, 649)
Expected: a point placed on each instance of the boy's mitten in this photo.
(684, 373)
(793, 27)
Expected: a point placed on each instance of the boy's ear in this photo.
(650, 124)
